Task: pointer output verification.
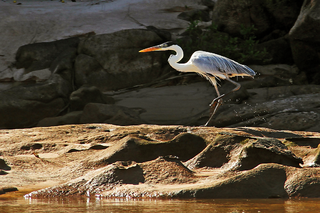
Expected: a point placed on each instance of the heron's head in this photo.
(161, 47)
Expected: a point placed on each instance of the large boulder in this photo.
(112, 61)
(295, 113)
(87, 94)
(305, 40)
(26, 104)
(109, 113)
(266, 16)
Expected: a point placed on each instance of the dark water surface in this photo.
(10, 205)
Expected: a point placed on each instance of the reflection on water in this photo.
(9, 205)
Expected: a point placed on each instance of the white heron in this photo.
(209, 65)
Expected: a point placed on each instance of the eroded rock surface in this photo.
(160, 161)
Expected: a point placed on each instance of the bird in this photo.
(209, 65)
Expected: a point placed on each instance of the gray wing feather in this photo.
(216, 65)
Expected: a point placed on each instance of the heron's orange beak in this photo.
(149, 49)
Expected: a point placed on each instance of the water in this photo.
(20, 204)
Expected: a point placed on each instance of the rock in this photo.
(37, 75)
(166, 170)
(159, 171)
(112, 61)
(283, 113)
(4, 165)
(24, 106)
(87, 94)
(242, 153)
(316, 160)
(266, 151)
(278, 51)
(283, 71)
(181, 104)
(305, 183)
(145, 161)
(265, 16)
(197, 14)
(217, 153)
(304, 40)
(69, 118)
(183, 146)
(264, 181)
(39, 56)
(3, 172)
(4, 190)
(107, 113)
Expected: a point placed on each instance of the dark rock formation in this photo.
(304, 40)
(112, 62)
(266, 16)
(108, 113)
(85, 95)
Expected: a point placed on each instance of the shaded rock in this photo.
(196, 14)
(87, 94)
(107, 113)
(316, 160)
(266, 151)
(4, 165)
(210, 157)
(122, 172)
(69, 118)
(37, 75)
(305, 183)
(208, 3)
(4, 190)
(184, 146)
(264, 181)
(24, 106)
(98, 146)
(112, 61)
(39, 56)
(262, 114)
(284, 72)
(2, 172)
(304, 40)
(217, 153)
(31, 146)
(278, 51)
(181, 104)
(243, 153)
(95, 181)
(266, 16)
(159, 171)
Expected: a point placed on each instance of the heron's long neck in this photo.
(174, 59)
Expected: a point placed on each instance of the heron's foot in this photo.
(217, 100)
(205, 125)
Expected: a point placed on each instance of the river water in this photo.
(20, 204)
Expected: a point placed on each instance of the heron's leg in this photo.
(221, 96)
(218, 100)
(218, 103)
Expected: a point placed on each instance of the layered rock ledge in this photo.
(159, 161)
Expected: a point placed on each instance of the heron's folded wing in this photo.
(219, 66)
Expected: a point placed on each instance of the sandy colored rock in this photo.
(158, 161)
